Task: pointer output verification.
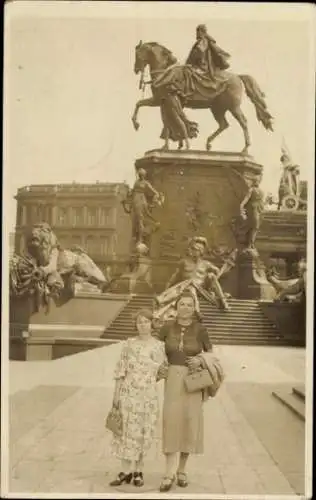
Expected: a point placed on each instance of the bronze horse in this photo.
(159, 58)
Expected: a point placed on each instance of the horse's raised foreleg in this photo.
(242, 120)
(150, 102)
(222, 125)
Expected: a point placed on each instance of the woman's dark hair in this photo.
(187, 294)
(145, 313)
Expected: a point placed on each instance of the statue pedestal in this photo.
(252, 281)
(203, 191)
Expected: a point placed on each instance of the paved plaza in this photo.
(58, 443)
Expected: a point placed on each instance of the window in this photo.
(76, 216)
(90, 245)
(37, 213)
(92, 216)
(62, 216)
(104, 216)
(28, 210)
(104, 247)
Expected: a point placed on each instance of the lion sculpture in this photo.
(45, 269)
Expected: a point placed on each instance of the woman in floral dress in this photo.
(136, 393)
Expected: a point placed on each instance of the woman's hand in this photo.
(162, 372)
(116, 400)
(193, 363)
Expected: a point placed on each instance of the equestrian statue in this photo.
(203, 82)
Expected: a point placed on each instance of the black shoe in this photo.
(166, 484)
(182, 479)
(138, 479)
(122, 478)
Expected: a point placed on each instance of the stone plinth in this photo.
(202, 192)
(74, 326)
(252, 280)
(289, 318)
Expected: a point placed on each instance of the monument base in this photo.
(252, 280)
(72, 327)
(203, 191)
(289, 318)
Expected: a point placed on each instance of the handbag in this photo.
(114, 421)
(198, 380)
(209, 378)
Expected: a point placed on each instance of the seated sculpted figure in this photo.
(291, 290)
(206, 56)
(198, 275)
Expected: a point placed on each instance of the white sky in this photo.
(70, 88)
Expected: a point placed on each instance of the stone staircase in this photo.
(293, 399)
(123, 325)
(243, 324)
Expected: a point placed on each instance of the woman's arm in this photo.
(120, 373)
(117, 390)
(195, 362)
(205, 339)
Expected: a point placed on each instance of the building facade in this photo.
(88, 215)
(92, 216)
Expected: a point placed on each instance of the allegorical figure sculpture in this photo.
(251, 209)
(290, 290)
(43, 268)
(139, 274)
(139, 204)
(198, 275)
(289, 187)
(206, 56)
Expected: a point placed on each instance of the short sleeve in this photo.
(121, 366)
(205, 340)
(159, 354)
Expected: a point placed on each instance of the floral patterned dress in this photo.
(138, 366)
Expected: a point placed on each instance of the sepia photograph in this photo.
(158, 250)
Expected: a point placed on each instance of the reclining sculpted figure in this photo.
(197, 274)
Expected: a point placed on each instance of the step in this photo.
(235, 321)
(299, 391)
(212, 335)
(210, 320)
(220, 315)
(211, 327)
(246, 335)
(288, 399)
(253, 342)
(252, 316)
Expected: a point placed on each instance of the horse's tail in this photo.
(257, 97)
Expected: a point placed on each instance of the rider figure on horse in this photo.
(206, 56)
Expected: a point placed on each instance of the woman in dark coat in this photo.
(185, 338)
